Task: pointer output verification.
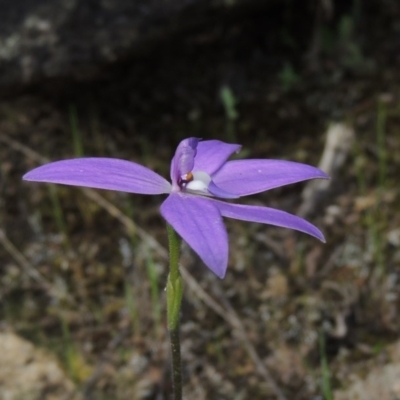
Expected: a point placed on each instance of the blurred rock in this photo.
(41, 39)
(29, 373)
(381, 382)
(287, 363)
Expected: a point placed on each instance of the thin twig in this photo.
(127, 222)
(26, 267)
(240, 332)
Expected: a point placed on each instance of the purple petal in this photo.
(199, 223)
(212, 154)
(183, 160)
(266, 215)
(101, 173)
(245, 177)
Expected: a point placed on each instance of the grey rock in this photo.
(373, 379)
(29, 373)
(56, 38)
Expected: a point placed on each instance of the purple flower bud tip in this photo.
(201, 175)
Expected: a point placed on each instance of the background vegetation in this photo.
(83, 272)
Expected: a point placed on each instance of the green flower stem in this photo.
(174, 300)
(176, 364)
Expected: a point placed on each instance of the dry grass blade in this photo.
(228, 314)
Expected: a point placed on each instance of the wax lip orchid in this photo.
(200, 175)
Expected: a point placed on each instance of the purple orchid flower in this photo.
(200, 175)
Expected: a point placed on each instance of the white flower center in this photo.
(198, 183)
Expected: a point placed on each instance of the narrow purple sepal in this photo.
(245, 177)
(199, 223)
(270, 216)
(212, 154)
(101, 173)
